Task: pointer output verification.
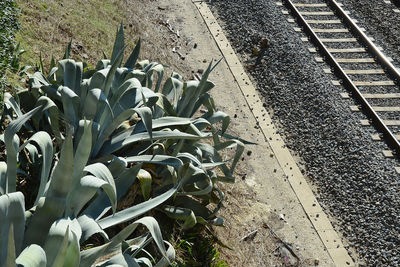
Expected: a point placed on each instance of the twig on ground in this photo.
(287, 246)
(250, 236)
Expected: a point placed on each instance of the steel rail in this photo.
(393, 71)
(391, 140)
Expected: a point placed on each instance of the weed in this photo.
(197, 248)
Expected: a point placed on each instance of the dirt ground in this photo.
(265, 224)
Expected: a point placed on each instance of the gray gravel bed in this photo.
(335, 35)
(313, 8)
(390, 115)
(371, 77)
(354, 182)
(379, 90)
(343, 45)
(360, 66)
(324, 17)
(384, 102)
(352, 55)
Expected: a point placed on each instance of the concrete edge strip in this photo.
(316, 215)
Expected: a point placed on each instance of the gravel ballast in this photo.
(353, 181)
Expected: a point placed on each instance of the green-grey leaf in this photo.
(101, 171)
(67, 50)
(90, 227)
(48, 210)
(32, 256)
(71, 103)
(155, 159)
(45, 143)
(120, 141)
(217, 117)
(11, 103)
(102, 204)
(11, 148)
(89, 256)
(61, 178)
(3, 175)
(51, 107)
(85, 190)
(130, 63)
(184, 214)
(164, 262)
(119, 45)
(12, 213)
(122, 260)
(56, 245)
(136, 210)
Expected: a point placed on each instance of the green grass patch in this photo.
(9, 25)
(197, 247)
(48, 25)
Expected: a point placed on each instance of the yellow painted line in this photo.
(316, 215)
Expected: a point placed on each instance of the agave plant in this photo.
(59, 223)
(136, 118)
(121, 127)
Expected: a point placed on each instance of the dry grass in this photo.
(48, 26)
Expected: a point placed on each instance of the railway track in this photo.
(360, 66)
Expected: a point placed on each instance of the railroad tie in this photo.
(338, 40)
(341, 50)
(349, 60)
(367, 83)
(382, 96)
(366, 72)
(378, 109)
(317, 13)
(309, 5)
